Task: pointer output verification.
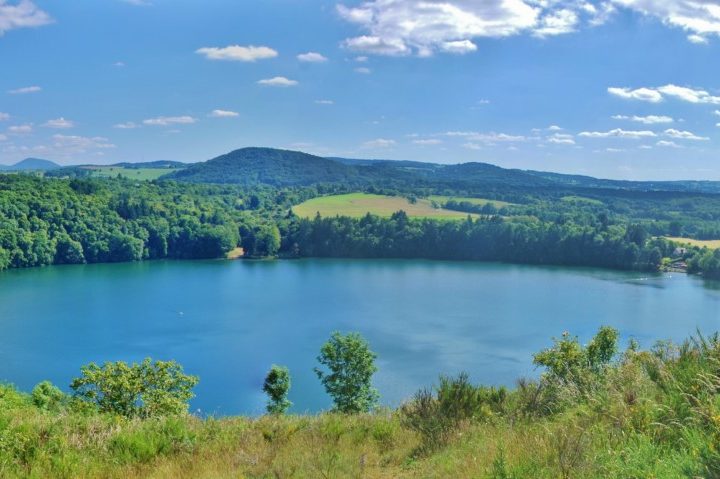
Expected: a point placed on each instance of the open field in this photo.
(581, 199)
(712, 244)
(359, 204)
(464, 199)
(144, 174)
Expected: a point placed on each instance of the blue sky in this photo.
(611, 88)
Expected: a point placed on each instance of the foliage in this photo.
(147, 389)
(350, 365)
(47, 396)
(277, 386)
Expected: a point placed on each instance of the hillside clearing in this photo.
(466, 199)
(144, 174)
(357, 205)
(711, 244)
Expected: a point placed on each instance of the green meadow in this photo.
(359, 204)
(441, 200)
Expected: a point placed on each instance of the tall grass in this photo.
(643, 414)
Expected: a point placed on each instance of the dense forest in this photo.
(62, 218)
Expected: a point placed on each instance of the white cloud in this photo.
(169, 120)
(119, 64)
(423, 27)
(554, 128)
(561, 139)
(20, 129)
(668, 144)
(700, 17)
(324, 102)
(642, 94)
(363, 70)
(716, 112)
(428, 142)
(238, 53)
(647, 120)
(458, 46)
(656, 95)
(697, 39)
(24, 90)
(223, 114)
(618, 133)
(3, 137)
(312, 57)
(72, 144)
(60, 123)
(684, 135)
(379, 143)
(128, 125)
(488, 138)
(139, 3)
(4, 116)
(23, 14)
(361, 59)
(278, 81)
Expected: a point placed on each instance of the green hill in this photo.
(31, 164)
(251, 166)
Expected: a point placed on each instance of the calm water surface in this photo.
(229, 321)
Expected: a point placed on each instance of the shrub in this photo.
(47, 396)
(151, 388)
(351, 365)
(277, 385)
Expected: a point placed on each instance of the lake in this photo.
(228, 321)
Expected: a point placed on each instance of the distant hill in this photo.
(31, 164)
(251, 166)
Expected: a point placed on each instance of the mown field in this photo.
(711, 244)
(359, 204)
(143, 174)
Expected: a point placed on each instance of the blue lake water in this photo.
(228, 321)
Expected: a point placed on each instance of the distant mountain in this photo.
(31, 164)
(251, 166)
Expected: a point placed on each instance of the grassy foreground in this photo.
(593, 414)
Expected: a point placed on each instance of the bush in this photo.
(437, 416)
(351, 365)
(142, 390)
(47, 396)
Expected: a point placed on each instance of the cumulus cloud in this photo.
(278, 81)
(700, 18)
(312, 57)
(668, 144)
(684, 135)
(619, 133)
(363, 70)
(642, 94)
(22, 14)
(657, 94)
(59, 123)
(169, 120)
(24, 90)
(223, 114)
(20, 129)
(237, 53)
(647, 120)
(379, 143)
(423, 27)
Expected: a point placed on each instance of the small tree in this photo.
(151, 388)
(277, 385)
(351, 365)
